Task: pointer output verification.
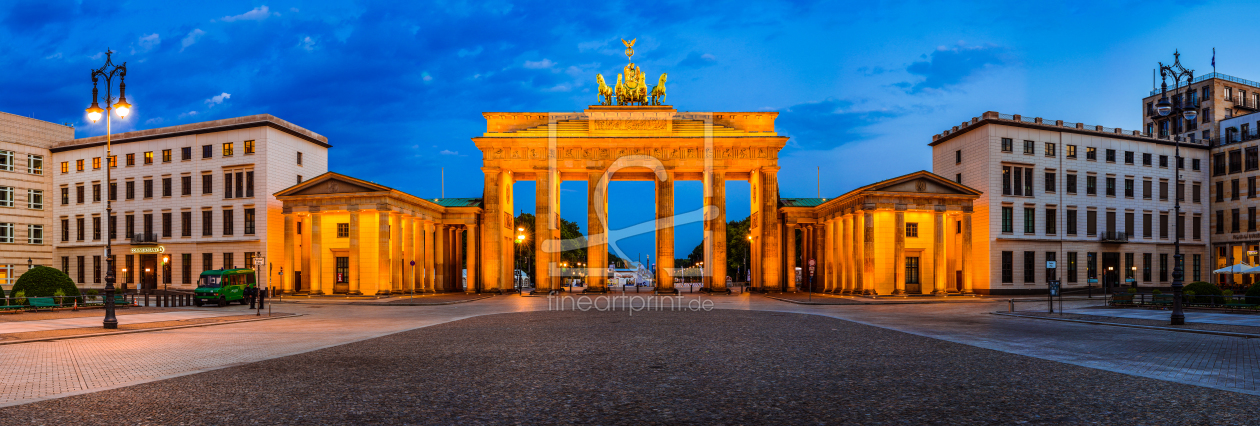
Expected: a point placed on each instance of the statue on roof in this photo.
(631, 87)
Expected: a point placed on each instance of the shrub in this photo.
(59, 296)
(43, 281)
(1132, 290)
(3, 301)
(1253, 294)
(1189, 296)
(19, 298)
(1156, 292)
(1203, 289)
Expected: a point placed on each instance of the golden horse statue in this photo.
(605, 93)
(658, 91)
(634, 89)
(621, 91)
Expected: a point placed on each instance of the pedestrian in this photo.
(262, 296)
(251, 293)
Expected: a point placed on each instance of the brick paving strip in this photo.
(828, 299)
(123, 328)
(95, 321)
(82, 312)
(650, 368)
(1189, 327)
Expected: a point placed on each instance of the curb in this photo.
(1145, 327)
(453, 302)
(115, 333)
(857, 302)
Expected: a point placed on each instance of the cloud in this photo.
(697, 60)
(258, 14)
(828, 124)
(54, 56)
(948, 67)
(539, 65)
(218, 99)
(191, 38)
(307, 43)
(448, 152)
(465, 52)
(147, 43)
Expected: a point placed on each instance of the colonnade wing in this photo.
(366, 238)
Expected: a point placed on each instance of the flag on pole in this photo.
(1213, 60)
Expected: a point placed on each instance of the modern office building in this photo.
(200, 195)
(1235, 165)
(1218, 96)
(1096, 200)
(25, 185)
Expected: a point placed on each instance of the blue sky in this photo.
(399, 87)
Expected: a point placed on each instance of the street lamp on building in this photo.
(1189, 112)
(107, 72)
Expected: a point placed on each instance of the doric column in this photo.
(384, 275)
(406, 232)
(597, 249)
(868, 252)
(829, 256)
(471, 254)
(440, 242)
(492, 231)
(416, 229)
(938, 251)
(790, 243)
(356, 275)
(820, 253)
(966, 251)
(430, 258)
(899, 251)
(845, 274)
(546, 229)
(290, 247)
(772, 240)
(303, 250)
(665, 234)
(395, 234)
(715, 232)
(457, 259)
(316, 252)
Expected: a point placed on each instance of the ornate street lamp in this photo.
(1189, 112)
(94, 112)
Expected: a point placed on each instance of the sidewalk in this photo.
(1163, 315)
(95, 321)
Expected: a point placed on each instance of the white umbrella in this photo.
(1252, 270)
(1240, 268)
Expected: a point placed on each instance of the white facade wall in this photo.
(982, 168)
(274, 163)
(24, 143)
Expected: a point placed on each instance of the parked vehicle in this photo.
(223, 286)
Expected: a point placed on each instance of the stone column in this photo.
(829, 256)
(546, 229)
(384, 275)
(355, 249)
(807, 234)
(430, 257)
(715, 232)
(665, 235)
(966, 251)
(820, 253)
(868, 252)
(597, 249)
(317, 253)
(843, 240)
(771, 242)
(938, 251)
(492, 232)
(290, 246)
(406, 232)
(416, 229)
(790, 242)
(304, 251)
(457, 259)
(396, 234)
(899, 252)
(440, 242)
(470, 256)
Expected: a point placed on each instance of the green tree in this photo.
(42, 281)
(573, 244)
(738, 250)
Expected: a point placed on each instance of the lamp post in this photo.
(1189, 112)
(29, 263)
(1111, 271)
(108, 71)
(520, 239)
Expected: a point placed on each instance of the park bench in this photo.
(38, 303)
(120, 301)
(1161, 299)
(1122, 299)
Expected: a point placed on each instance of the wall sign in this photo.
(148, 250)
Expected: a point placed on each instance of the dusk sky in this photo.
(399, 87)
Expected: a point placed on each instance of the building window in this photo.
(343, 270)
(6, 196)
(249, 147)
(227, 179)
(65, 229)
(1030, 216)
(958, 157)
(1128, 188)
(1029, 147)
(1052, 219)
(228, 222)
(1111, 155)
(343, 229)
(6, 161)
(1050, 257)
(65, 195)
(1050, 180)
(1008, 267)
(1163, 226)
(65, 167)
(1234, 224)
(1050, 149)
(113, 161)
(207, 261)
(96, 163)
(113, 227)
(34, 234)
(1071, 183)
(185, 184)
(1091, 185)
(96, 228)
(1196, 268)
(78, 165)
(6, 233)
(1128, 157)
(228, 262)
(1194, 193)
(96, 269)
(166, 224)
(1007, 145)
(185, 266)
(78, 192)
(1111, 186)
(1163, 190)
(912, 270)
(1091, 222)
(166, 156)
(912, 230)
(113, 191)
(207, 151)
(207, 183)
(1071, 267)
(1220, 191)
(1234, 193)
(166, 187)
(1091, 266)
(249, 221)
(299, 178)
(185, 153)
(1163, 161)
(96, 193)
(1146, 158)
(185, 224)
(1008, 219)
(148, 157)
(227, 149)
(299, 158)
(1030, 266)
(957, 177)
(81, 267)
(1163, 267)
(148, 188)
(207, 223)
(80, 229)
(1198, 224)
(1146, 267)
(1071, 222)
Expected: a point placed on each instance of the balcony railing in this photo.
(1114, 237)
(143, 238)
(1235, 137)
(1225, 77)
(1241, 102)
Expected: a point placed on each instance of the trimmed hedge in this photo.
(43, 281)
(1253, 294)
(1201, 288)
(3, 301)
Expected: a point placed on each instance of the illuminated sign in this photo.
(148, 250)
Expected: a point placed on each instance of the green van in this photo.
(222, 286)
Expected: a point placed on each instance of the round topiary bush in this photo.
(1201, 288)
(43, 281)
(1253, 294)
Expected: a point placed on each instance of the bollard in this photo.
(146, 300)
(1011, 305)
